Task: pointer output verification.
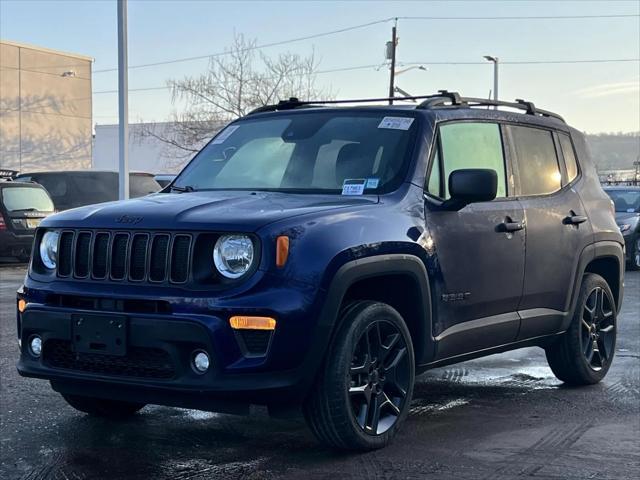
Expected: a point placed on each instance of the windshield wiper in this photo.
(186, 188)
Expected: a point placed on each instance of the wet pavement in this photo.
(501, 417)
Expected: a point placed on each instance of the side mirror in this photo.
(471, 185)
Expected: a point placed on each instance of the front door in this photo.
(479, 250)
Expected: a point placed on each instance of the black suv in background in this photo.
(23, 205)
(626, 200)
(323, 257)
(71, 189)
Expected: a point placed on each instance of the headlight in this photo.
(49, 249)
(624, 227)
(233, 255)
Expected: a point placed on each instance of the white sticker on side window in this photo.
(226, 133)
(353, 186)
(396, 123)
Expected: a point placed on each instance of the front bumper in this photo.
(164, 344)
(630, 239)
(12, 245)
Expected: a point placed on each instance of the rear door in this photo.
(557, 228)
(479, 249)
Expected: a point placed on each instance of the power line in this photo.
(535, 17)
(364, 25)
(255, 47)
(364, 67)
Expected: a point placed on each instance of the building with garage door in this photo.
(45, 109)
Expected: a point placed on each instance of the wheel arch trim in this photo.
(379, 266)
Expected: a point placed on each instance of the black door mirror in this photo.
(471, 185)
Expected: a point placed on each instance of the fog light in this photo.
(200, 362)
(35, 345)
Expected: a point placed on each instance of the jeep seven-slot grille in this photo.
(125, 256)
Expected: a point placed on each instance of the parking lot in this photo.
(501, 417)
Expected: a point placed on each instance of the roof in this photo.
(46, 50)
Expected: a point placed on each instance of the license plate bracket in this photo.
(99, 334)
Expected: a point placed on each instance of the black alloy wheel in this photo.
(583, 354)
(379, 377)
(598, 325)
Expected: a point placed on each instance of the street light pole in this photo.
(392, 70)
(123, 102)
(495, 76)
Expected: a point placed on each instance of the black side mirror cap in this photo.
(471, 185)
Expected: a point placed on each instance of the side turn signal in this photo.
(282, 250)
(253, 323)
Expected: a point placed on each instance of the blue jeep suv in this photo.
(321, 256)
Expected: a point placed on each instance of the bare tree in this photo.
(233, 85)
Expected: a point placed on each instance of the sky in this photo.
(593, 97)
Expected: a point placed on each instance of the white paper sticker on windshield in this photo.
(226, 133)
(353, 186)
(396, 123)
(630, 210)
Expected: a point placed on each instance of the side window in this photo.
(569, 156)
(433, 185)
(472, 145)
(537, 163)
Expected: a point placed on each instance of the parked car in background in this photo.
(22, 206)
(164, 179)
(626, 200)
(71, 189)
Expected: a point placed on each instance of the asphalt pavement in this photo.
(500, 417)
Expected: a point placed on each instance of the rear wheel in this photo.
(363, 393)
(101, 407)
(583, 355)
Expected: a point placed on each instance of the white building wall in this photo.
(146, 152)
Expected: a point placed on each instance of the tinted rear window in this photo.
(26, 199)
(537, 163)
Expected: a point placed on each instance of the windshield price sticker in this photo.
(396, 123)
(226, 133)
(353, 186)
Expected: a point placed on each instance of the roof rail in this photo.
(452, 99)
(5, 173)
(442, 99)
(293, 102)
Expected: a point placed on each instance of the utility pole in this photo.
(489, 58)
(391, 55)
(123, 102)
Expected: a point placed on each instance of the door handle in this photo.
(510, 226)
(574, 219)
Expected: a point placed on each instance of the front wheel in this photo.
(100, 407)
(363, 393)
(583, 355)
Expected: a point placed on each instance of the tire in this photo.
(634, 258)
(99, 407)
(583, 354)
(363, 393)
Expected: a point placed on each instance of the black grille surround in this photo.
(125, 256)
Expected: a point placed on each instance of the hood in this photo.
(212, 210)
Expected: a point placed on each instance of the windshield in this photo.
(26, 198)
(324, 152)
(625, 200)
